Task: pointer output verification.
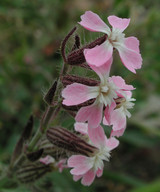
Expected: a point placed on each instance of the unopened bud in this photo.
(48, 98)
(77, 57)
(69, 79)
(34, 156)
(63, 138)
(50, 149)
(31, 172)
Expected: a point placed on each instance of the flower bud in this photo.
(69, 79)
(63, 138)
(77, 57)
(34, 156)
(48, 98)
(50, 149)
(31, 172)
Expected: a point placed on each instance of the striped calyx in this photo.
(69, 141)
(31, 172)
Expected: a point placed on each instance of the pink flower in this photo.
(116, 114)
(128, 48)
(104, 94)
(87, 168)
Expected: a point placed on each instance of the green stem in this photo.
(34, 141)
(47, 118)
(49, 115)
(18, 162)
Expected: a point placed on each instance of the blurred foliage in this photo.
(30, 37)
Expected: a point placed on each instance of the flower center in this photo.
(107, 93)
(119, 102)
(125, 104)
(116, 36)
(102, 154)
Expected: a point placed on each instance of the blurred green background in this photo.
(30, 36)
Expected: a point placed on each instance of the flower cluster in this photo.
(93, 104)
(111, 97)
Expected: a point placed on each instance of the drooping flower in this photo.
(128, 48)
(118, 111)
(104, 94)
(87, 168)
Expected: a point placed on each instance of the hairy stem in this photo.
(51, 111)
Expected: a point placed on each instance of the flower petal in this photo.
(118, 23)
(93, 22)
(108, 112)
(77, 177)
(128, 94)
(88, 178)
(118, 119)
(92, 114)
(120, 83)
(112, 143)
(97, 136)
(117, 133)
(81, 128)
(47, 160)
(104, 70)
(62, 164)
(81, 164)
(131, 59)
(132, 43)
(99, 55)
(77, 93)
(99, 172)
